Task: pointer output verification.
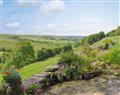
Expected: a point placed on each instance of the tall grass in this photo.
(113, 56)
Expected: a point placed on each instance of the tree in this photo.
(21, 56)
(24, 55)
(93, 38)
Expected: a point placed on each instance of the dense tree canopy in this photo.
(93, 38)
(23, 55)
(115, 32)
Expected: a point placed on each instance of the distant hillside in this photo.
(37, 37)
(115, 32)
(70, 37)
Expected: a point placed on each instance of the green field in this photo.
(38, 42)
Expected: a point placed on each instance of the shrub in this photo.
(13, 81)
(88, 53)
(46, 53)
(32, 89)
(75, 65)
(67, 48)
(5, 49)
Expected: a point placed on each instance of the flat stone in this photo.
(113, 87)
(37, 79)
(45, 75)
(52, 68)
(33, 80)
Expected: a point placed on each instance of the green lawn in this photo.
(37, 67)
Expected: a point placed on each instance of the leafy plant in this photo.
(75, 65)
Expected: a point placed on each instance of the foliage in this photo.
(5, 49)
(76, 65)
(88, 53)
(22, 56)
(76, 44)
(13, 80)
(115, 32)
(67, 48)
(93, 38)
(46, 53)
(32, 89)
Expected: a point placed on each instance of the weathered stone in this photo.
(113, 87)
(33, 80)
(52, 68)
(45, 75)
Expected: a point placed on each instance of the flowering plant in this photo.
(10, 74)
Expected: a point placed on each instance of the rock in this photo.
(44, 75)
(52, 68)
(113, 87)
(33, 80)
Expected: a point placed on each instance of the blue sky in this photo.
(58, 17)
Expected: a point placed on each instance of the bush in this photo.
(67, 48)
(5, 49)
(13, 82)
(32, 88)
(46, 53)
(75, 65)
(88, 53)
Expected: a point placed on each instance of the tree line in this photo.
(24, 54)
(46, 53)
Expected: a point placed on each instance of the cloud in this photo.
(13, 26)
(1, 2)
(53, 6)
(76, 29)
(90, 19)
(27, 2)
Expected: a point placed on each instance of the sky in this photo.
(58, 17)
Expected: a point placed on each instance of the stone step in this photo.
(44, 75)
(52, 68)
(33, 80)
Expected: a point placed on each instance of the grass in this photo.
(113, 56)
(37, 67)
(38, 42)
(115, 39)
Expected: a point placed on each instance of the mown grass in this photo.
(37, 67)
